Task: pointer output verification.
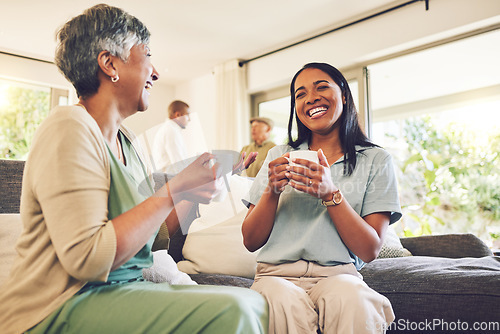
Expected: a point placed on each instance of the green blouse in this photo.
(129, 186)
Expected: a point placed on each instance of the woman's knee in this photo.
(270, 286)
(345, 289)
(281, 293)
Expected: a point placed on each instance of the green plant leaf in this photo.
(414, 158)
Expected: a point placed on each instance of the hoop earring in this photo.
(115, 79)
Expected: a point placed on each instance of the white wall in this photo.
(200, 95)
(160, 98)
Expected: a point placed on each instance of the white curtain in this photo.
(232, 106)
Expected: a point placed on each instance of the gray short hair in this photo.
(99, 28)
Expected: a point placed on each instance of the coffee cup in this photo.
(303, 154)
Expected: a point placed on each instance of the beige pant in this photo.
(304, 297)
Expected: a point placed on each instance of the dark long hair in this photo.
(350, 132)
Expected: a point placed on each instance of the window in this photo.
(23, 107)
(274, 104)
(279, 111)
(438, 112)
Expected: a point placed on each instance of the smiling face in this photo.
(318, 100)
(136, 77)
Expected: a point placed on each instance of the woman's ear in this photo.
(106, 63)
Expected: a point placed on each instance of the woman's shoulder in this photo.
(71, 114)
(373, 152)
(279, 150)
(70, 125)
(68, 111)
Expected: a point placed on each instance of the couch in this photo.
(436, 284)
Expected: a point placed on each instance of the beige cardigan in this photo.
(67, 239)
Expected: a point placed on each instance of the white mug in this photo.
(304, 154)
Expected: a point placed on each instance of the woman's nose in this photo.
(312, 97)
(155, 75)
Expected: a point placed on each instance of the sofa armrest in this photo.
(447, 245)
(11, 179)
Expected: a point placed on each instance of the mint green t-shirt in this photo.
(303, 229)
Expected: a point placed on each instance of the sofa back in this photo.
(11, 177)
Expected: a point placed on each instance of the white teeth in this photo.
(149, 85)
(316, 110)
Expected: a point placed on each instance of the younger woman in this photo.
(318, 223)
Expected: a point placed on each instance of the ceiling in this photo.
(189, 37)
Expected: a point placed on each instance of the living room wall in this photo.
(161, 96)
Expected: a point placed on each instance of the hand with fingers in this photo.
(244, 164)
(277, 174)
(197, 182)
(312, 178)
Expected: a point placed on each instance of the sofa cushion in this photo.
(424, 288)
(214, 244)
(218, 249)
(218, 279)
(447, 245)
(392, 246)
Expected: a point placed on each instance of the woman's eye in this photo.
(322, 87)
(299, 95)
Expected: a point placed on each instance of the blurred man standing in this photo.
(169, 146)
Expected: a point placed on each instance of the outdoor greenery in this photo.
(449, 183)
(19, 118)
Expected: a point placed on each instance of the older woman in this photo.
(89, 212)
(317, 223)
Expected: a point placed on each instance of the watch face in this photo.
(337, 197)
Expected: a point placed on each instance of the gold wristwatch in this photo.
(336, 200)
